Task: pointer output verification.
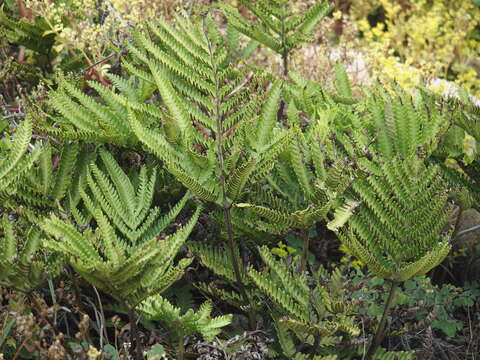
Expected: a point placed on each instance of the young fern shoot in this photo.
(313, 313)
(192, 322)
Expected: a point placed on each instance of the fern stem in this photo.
(225, 203)
(76, 289)
(281, 108)
(236, 268)
(285, 63)
(306, 246)
(134, 334)
(285, 54)
(380, 334)
(103, 331)
(316, 344)
(284, 45)
(181, 344)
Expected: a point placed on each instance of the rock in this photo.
(463, 265)
(468, 218)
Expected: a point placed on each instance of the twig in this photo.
(19, 114)
(17, 353)
(83, 71)
(97, 316)
(305, 248)
(50, 286)
(470, 329)
(102, 319)
(134, 334)
(316, 344)
(466, 231)
(364, 344)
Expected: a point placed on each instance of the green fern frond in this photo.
(230, 297)
(278, 28)
(102, 118)
(342, 82)
(272, 215)
(123, 255)
(396, 230)
(239, 178)
(267, 122)
(209, 109)
(305, 306)
(63, 176)
(216, 259)
(17, 161)
(342, 214)
(23, 265)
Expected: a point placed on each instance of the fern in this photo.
(216, 259)
(123, 254)
(457, 153)
(400, 126)
(342, 82)
(23, 265)
(309, 179)
(201, 129)
(277, 27)
(212, 110)
(102, 119)
(189, 323)
(297, 196)
(51, 180)
(263, 157)
(396, 229)
(17, 161)
(464, 112)
(220, 262)
(132, 262)
(315, 312)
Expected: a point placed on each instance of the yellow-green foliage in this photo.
(90, 27)
(422, 39)
(132, 261)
